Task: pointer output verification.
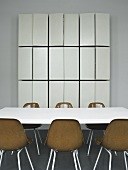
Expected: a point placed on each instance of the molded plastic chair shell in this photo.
(61, 104)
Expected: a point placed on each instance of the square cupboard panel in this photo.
(25, 30)
(71, 63)
(40, 29)
(56, 71)
(87, 29)
(103, 92)
(56, 93)
(40, 93)
(71, 92)
(103, 29)
(25, 63)
(56, 29)
(87, 93)
(71, 29)
(103, 63)
(40, 63)
(24, 92)
(87, 63)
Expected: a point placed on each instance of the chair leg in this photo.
(29, 158)
(98, 158)
(90, 131)
(18, 157)
(90, 143)
(54, 158)
(36, 142)
(125, 154)
(110, 158)
(49, 159)
(77, 158)
(74, 157)
(1, 156)
(39, 135)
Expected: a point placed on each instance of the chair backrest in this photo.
(31, 105)
(64, 135)
(63, 105)
(95, 104)
(12, 135)
(116, 135)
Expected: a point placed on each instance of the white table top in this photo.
(46, 115)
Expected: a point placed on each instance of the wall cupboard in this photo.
(64, 57)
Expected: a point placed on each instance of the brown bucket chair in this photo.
(94, 126)
(64, 135)
(114, 139)
(13, 138)
(33, 126)
(63, 104)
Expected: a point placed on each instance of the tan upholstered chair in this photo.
(64, 135)
(64, 104)
(13, 138)
(94, 126)
(114, 139)
(33, 126)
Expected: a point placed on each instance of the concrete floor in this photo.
(64, 160)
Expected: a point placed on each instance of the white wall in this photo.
(9, 10)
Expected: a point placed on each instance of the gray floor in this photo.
(64, 161)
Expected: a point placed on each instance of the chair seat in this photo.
(97, 126)
(31, 126)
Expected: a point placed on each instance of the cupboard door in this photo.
(24, 92)
(71, 93)
(56, 93)
(25, 63)
(40, 29)
(40, 63)
(55, 29)
(87, 93)
(25, 30)
(102, 29)
(87, 31)
(103, 92)
(71, 63)
(87, 63)
(40, 93)
(56, 71)
(71, 29)
(103, 63)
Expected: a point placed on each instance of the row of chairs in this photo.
(61, 137)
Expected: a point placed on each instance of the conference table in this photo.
(47, 115)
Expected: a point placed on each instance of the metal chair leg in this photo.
(18, 157)
(77, 158)
(90, 143)
(36, 142)
(97, 158)
(1, 156)
(29, 158)
(49, 159)
(110, 158)
(125, 154)
(54, 158)
(89, 136)
(39, 135)
(74, 157)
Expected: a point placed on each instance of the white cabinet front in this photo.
(103, 63)
(71, 63)
(40, 63)
(24, 92)
(40, 93)
(55, 29)
(103, 92)
(87, 93)
(25, 30)
(71, 93)
(56, 71)
(71, 29)
(87, 63)
(87, 29)
(40, 29)
(25, 63)
(56, 93)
